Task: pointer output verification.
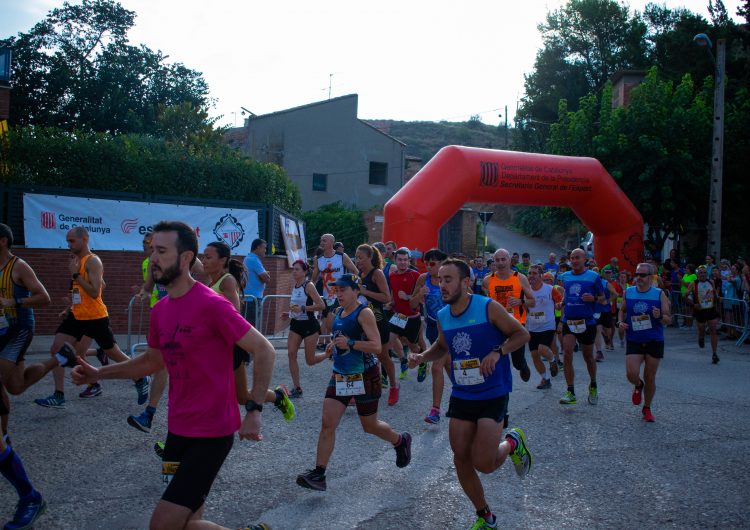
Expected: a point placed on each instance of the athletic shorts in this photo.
(586, 338)
(605, 319)
(431, 330)
(200, 461)
(384, 331)
(367, 403)
(330, 308)
(654, 348)
(15, 342)
(544, 338)
(97, 329)
(472, 410)
(304, 328)
(704, 315)
(239, 357)
(410, 331)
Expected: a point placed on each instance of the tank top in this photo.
(471, 337)
(433, 302)
(299, 297)
(159, 291)
(541, 317)
(704, 295)
(642, 326)
(349, 361)
(499, 290)
(87, 308)
(576, 285)
(16, 316)
(376, 306)
(331, 269)
(216, 286)
(606, 306)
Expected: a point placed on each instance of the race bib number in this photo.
(707, 304)
(640, 322)
(577, 326)
(349, 385)
(75, 296)
(537, 317)
(168, 469)
(467, 372)
(398, 320)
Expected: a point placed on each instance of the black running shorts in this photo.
(586, 338)
(367, 403)
(654, 348)
(544, 338)
(15, 342)
(472, 410)
(304, 328)
(97, 329)
(704, 315)
(410, 331)
(239, 357)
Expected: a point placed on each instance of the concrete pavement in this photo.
(594, 466)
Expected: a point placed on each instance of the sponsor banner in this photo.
(121, 225)
(294, 239)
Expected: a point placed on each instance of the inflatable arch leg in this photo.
(457, 175)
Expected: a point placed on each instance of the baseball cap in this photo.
(348, 280)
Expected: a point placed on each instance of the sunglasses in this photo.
(642, 274)
(432, 263)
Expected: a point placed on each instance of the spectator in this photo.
(257, 278)
(710, 265)
(613, 266)
(686, 279)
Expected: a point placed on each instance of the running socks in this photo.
(12, 469)
(487, 515)
(512, 442)
(592, 384)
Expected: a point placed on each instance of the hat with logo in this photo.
(349, 280)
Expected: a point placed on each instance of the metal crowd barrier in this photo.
(132, 346)
(251, 309)
(265, 325)
(733, 313)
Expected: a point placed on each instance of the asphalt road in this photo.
(594, 466)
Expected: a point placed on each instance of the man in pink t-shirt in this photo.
(193, 331)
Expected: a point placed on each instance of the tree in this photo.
(346, 224)
(76, 70)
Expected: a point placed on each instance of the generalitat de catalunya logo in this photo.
(128, 225)
(229, 230)
(48, 220)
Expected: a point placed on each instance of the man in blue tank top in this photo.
(478, 334)
(644, 311)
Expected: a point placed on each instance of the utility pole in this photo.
(485, 218)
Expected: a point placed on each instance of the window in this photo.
(320, 181)
(379, 173)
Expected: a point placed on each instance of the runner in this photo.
(541, 325)
(583, 288)
(604, 320)
(330, 267)
(203, 414)
(20, 292)
(405, 322)
(477, 334)
(643, 312)
(87, 316)
(355, 374)
(703, 296)
(621, 285)
(374, 293)
(549, 279)
(427, 292)
(511, 290)
(304, 327)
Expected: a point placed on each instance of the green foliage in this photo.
(144, 164)
(346, 224)
(75, 70)
(538, 221)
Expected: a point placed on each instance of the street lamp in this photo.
(717, 142)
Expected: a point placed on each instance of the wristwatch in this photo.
(350, 343)
(251, 405)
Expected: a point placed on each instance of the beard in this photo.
(168, 275)
(451, 298)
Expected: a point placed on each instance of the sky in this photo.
(417, 60)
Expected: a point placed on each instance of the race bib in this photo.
(75, 295)
(537, 317)
(640, 322)
(349, 385)
(398, 320)
(467, 372)
(707, 304)
(577, 326)
(168, 469)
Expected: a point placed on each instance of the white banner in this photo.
(294, 240)
(121, 225)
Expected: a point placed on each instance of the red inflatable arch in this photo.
(457, 175)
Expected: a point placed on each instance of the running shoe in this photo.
(553, 368)
(27, 513)
(714, 359)
(159, 449)
(404, 370)
(141, 387)
(51, 401)
(560, 365)
(525, 373)
(433, 416)
(637, 394)
(68, 354)
(421, 372)
(102, 356)
(393, 396)
(521, 457)
(544, 385)
(599, 356)
(312, 479)
(91, 391)
(259, 526)
(622, 343)
(593, 395)
(482, 524)
(647, 416)
(283, 403)
(142, 422)
(701, 342)
(568, 399)
(296, 393)
(403, 450)
(384, 380)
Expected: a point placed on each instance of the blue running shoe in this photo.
(142, 422)
(404, 370)
(27, 513)
(421, 372)
(52, 401)
(433, 417)
(141, 386)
